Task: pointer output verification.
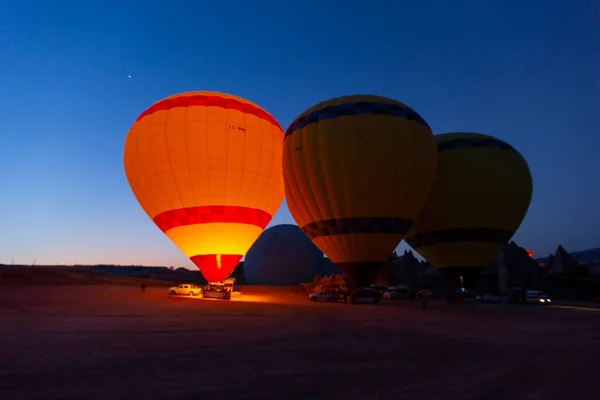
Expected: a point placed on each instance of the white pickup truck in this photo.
(321, 296)
(186, 289)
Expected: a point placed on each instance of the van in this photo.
(537, 297)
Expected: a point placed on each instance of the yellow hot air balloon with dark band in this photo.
(357, 170)
(480, 198)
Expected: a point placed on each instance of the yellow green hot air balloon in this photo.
(481, 195)
(357, 171)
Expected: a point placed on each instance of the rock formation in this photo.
(563, 265)
(332, 283)
(407, 270)
(512, 267)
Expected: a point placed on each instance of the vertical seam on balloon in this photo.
(145, 177)
(273, 177)
(187, 154)
(258, 172)
(339, 243)
(297, 190)
(323, 177)
(263, 192)
(348, 253)
(425, 166)
(311, 194)
(226, 123)
(395, 177)
(277, 138)
(172, 173)
(207, 177)
(270, 177)
(154, 175)
(243, 169)
(150, 165)
(299, 168)
(300, 172)
(407, 140)
(205, 111)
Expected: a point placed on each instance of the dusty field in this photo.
(110, 342)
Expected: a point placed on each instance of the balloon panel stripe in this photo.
(347, 226)
(216, 267)
(209, 101)
(459, 235)
(360, 108)
(209, 214)
(468, 143)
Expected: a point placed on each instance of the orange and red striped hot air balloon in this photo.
(206, 167)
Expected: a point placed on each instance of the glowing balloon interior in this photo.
(481, 195)
(206, 168)
(357, 170)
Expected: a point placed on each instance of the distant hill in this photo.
(588, 258)
(401, 269)
(138, 272)
(56, 275)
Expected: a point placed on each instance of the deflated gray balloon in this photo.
(282, 256)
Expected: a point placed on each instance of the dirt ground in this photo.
(111, 342)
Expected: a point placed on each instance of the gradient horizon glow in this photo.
(76, 75)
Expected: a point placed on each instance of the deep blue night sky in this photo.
(524, 71)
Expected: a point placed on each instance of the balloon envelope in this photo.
(357, 170)
(481, 195)
(206, 167)
(282, 256)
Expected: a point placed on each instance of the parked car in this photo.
(378, 288)
(537, 297)
(186, 289)
(390, 294)
(321, 296)
(422, 293)
(364, 296)
(488, 298)
(394, 293)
